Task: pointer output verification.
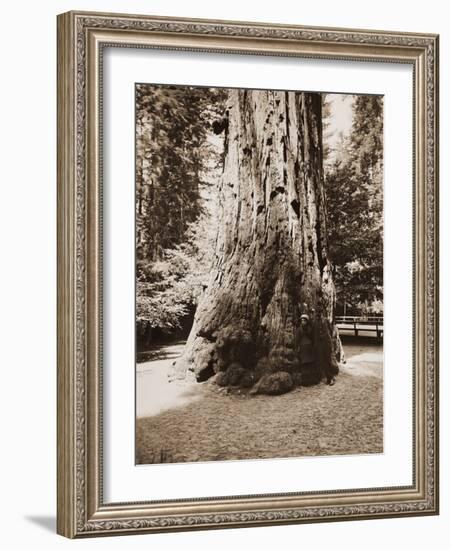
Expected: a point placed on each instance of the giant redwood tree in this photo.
(271, 262)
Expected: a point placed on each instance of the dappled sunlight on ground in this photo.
(154, 392)
(366, 364)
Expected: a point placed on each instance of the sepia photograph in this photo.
(259, 274)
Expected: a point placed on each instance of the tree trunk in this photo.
(271, 263)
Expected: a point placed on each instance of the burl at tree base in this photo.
(271, 263)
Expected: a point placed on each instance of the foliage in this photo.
(354, 190)
(175, 162)
(169, 289)
(172, 149)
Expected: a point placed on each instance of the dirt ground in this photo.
(188, 422)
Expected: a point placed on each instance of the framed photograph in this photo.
(247, 274)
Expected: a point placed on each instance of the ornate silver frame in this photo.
(81, 38)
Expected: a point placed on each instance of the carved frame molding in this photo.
(81, 39)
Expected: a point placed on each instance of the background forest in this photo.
(179, 157)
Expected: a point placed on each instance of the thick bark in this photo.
(271, 263)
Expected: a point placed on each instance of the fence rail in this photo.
(361, 324)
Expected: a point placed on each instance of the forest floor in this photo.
(184, 421)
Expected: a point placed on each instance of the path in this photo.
(154, 392)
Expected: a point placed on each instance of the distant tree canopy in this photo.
(173, 161)
(172, 126)
(354, 190)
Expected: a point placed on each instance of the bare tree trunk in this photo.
(271, 262)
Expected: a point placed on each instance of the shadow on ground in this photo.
(45, 522)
